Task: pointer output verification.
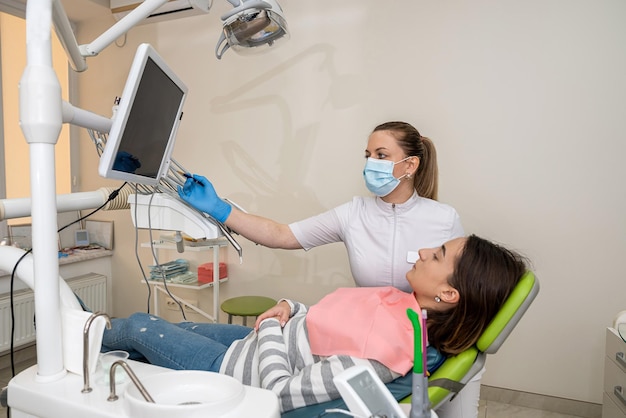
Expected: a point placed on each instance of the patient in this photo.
(296, 351)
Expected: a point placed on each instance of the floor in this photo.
(488, 409)
(491, 409)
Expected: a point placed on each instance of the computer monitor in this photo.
(143, 129)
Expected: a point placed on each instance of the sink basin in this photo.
(186, 393)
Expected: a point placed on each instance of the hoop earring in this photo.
(437, 299)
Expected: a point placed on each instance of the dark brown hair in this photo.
(485, 274)
(426, 179)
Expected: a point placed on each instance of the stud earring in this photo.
(437, 299)
(408, 176)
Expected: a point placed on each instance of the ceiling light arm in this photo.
(121, 27)
(75, 53)
(65, 33)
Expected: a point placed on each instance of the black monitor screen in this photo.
(143, 130)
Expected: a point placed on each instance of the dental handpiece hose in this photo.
(420, 404)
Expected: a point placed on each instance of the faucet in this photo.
(112, 396)
(86, 387)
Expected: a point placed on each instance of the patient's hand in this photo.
(281, 312)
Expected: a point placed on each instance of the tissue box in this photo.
(205, 272)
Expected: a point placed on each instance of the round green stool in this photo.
(246, 306)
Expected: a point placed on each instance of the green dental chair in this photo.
(457, 371)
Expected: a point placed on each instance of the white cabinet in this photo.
(213, 246)
(614, 397)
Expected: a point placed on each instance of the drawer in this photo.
(615, 383)
(616, 348)
(614, 397)
(609, 409)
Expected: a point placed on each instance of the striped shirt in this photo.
(280, 359)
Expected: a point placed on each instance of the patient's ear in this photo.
(450, 295)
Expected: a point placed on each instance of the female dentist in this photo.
(382, 233)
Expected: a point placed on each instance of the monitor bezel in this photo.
(127, 99)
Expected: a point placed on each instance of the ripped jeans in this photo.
(183, 346)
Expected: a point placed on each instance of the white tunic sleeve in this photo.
(321, 229)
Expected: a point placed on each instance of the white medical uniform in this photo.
(379, 235)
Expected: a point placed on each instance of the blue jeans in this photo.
(183, 346)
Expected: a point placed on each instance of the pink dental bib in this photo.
(365, 322)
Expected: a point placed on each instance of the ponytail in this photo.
(426, 180)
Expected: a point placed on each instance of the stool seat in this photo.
(245, 306)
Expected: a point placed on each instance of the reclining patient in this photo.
(296, 351)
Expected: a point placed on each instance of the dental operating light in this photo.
(251, 26)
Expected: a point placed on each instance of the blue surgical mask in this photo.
(379, 177)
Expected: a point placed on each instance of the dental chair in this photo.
(455, 372)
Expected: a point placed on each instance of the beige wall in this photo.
(525, 101)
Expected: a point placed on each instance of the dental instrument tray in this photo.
(175, 271)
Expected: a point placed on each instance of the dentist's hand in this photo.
(199, 193)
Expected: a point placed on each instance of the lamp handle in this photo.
(224, 44)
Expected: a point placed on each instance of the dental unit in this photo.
(54, 387)
(68, 338)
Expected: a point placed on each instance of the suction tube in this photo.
(18, 208)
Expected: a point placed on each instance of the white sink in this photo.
(185, 394)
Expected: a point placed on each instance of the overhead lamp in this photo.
(251, 26)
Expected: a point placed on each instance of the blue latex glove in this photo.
(199, 193)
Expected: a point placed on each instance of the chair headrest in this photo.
(509, 315)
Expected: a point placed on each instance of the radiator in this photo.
(91, 288)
